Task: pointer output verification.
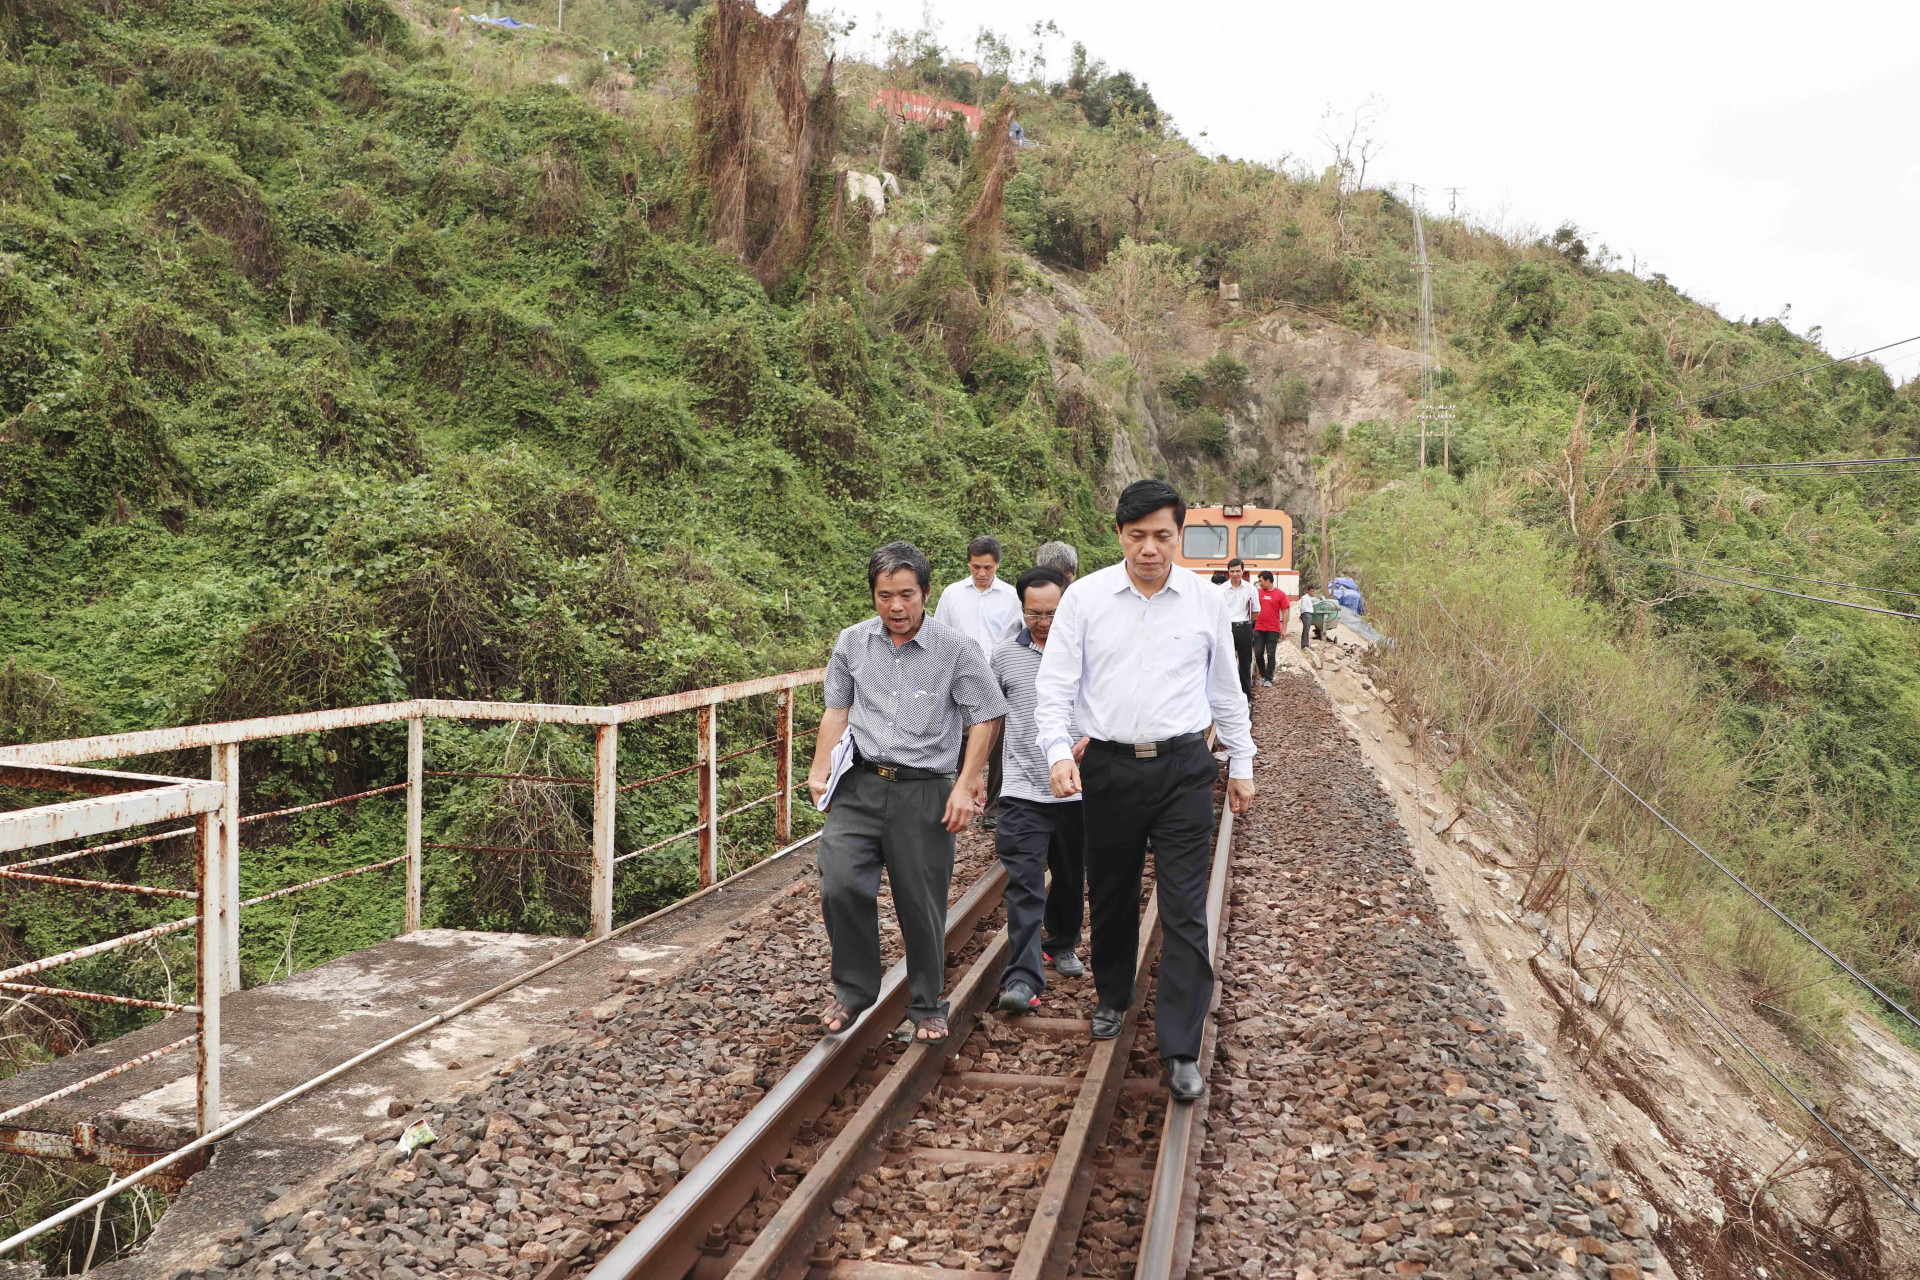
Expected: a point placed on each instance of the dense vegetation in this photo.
(350, 352)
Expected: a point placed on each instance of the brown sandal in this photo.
(839, 1015)
(936, 1026)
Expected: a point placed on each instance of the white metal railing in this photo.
(117, 800)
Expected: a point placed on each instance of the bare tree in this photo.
(1354, 147)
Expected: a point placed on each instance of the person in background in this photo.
(1306, 605)
(981, 607)
(1063, 560)
(1139, 659)
(1269, 626)
(1059, 557)
(1066, 859)
(1243, 605)
(905, 686)
(1032, 818)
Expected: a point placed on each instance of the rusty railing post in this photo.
(416, 755)
(783, 773)
(211, 937)
(606, 795)
(708, 758)
(226, 769)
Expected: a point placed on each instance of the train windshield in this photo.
(1204, 542)
(1263, 542)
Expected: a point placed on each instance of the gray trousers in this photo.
(897, 825)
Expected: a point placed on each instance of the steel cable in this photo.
(1731, 875)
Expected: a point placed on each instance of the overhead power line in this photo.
(1662, 818)
(1792, 577)
(1901, 462)
(1676, 567)
(1782, 377)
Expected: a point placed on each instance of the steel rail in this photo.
(319, 804)
(661, 844)
(666, 1243)
(782, 1245)
(1047, 1250)
(338, 875)
(69, 1090)
(97, 948)
(506, 848)
(71, 854)
(506, 777)
(1166, 1238)
(68, 993)
(658, 777)
(231, 1127)
(111, 886)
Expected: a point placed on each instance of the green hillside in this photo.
(350, 351)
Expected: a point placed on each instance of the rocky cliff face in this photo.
(1303, 376)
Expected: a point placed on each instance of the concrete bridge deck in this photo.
(278, 1036)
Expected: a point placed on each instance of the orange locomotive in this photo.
(1258, 535)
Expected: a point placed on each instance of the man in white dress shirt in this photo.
(983, 608)
(1243, 606)
(1141, 660)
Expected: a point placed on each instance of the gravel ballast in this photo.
(537, 1172)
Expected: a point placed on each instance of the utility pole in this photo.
(1453, 201)
(1431, 412)
(561, 23)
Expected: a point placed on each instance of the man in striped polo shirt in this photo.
(1031, 816)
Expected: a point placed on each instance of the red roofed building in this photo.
(922, 109)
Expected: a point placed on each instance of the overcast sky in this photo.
(1760, 154)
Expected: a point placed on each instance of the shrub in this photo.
(209, 191)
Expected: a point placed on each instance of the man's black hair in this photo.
(1144, 497)
(1267, 574)
(1236, 561)
(984, 546)
(1039, 578)
(894, 557)
(1219, 575)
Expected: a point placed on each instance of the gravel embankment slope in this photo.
(1369, 1113)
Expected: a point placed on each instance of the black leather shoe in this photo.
(1106, 1022)
(1183, 1079)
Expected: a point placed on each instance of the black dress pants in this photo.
(1067, 891)
(1266, 646)
(1243, 654)
(1168, 802)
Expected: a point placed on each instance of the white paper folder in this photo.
(838, 764)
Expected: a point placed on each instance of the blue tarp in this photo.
(502, 21)
(1347, 592)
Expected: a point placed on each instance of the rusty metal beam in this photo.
(76, 819)
(647, 708)
(86, 1146)
(143, 742)
(667, 1241)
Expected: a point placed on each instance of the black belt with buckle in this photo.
(1147, 750)
(901, 772)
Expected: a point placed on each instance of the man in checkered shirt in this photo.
(905, 686)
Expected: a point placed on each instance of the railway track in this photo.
(876, 1159)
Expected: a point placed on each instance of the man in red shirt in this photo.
(1269, 624)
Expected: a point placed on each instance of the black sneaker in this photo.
(1066, 964)
(1018, 998)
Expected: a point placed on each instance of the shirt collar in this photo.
(880, 630)
(1174, 583)
(1026, 636)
